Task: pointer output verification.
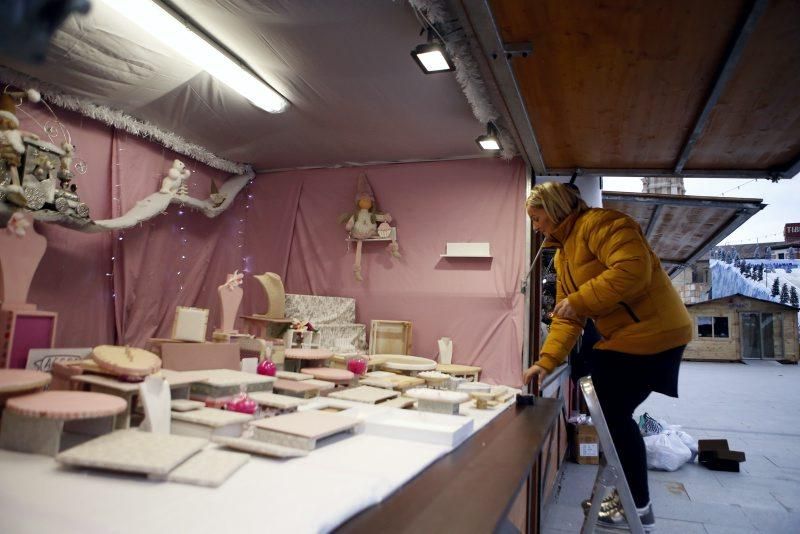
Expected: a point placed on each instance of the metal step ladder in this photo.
(609, 472)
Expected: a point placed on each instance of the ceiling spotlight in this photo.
(490, 141)
(432, 56)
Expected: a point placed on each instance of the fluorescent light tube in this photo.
(161, 24)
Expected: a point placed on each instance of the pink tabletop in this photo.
(308, 354)
(328, 373)
(12, 380)
(67, 405)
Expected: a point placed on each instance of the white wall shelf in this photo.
(467, 250)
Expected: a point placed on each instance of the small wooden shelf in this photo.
(392, 237)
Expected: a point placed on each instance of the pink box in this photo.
(200, 356)
(22, 331)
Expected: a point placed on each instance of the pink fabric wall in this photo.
(287, 223)
(71, 279)
(476, 302)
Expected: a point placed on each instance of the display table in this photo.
(315, 493)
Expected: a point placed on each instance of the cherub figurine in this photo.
(174, 178)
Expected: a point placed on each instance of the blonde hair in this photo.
(558, 200)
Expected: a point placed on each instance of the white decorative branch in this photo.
(121, 120)
(143, 210)
(155, 204)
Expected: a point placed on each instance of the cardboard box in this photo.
(585, 444)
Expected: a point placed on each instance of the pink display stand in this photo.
(200, 356)
(21, 250)
(21, 331)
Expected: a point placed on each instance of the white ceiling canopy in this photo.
(355, 95)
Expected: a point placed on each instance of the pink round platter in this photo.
(14, 380)
(67, 405)
(328, 373)
(307, 354)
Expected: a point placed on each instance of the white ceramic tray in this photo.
(425, 427)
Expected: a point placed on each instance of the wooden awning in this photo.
(637, 88)
(682, 228)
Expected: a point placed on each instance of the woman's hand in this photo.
(564, 310)
(534, 372)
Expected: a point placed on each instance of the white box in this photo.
(190, 324)
(425, 427)
(470, 250)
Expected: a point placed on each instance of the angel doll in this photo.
(363, 223)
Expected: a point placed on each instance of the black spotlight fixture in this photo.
(432, 56)
(491, 141)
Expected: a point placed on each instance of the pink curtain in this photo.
(122, 287)
(72, 278)
(476, 302)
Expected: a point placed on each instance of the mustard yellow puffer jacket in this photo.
(609, 273)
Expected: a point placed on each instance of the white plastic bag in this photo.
(690, 442)
(666, 451)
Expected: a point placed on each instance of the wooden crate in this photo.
(390, 337)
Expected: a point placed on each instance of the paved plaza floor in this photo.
(756, 407)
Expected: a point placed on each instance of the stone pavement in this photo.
(756, 407)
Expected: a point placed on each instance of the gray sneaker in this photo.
(605, 505)
(615, 519)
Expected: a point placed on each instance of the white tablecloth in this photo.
(311, 494)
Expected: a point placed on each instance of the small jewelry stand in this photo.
(276, 295)
(230, 297)
(294, 359)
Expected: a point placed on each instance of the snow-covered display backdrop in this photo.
(756, 278)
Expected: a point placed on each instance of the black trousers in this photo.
(622, 382)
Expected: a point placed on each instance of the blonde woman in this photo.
(607, 271)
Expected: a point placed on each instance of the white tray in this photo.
(425, 427)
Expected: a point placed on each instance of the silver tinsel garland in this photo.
(467, 72)
(121, 120)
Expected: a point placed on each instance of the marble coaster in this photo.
(259, 447)
(133, 451)
(186, 405)
(209, 467)
(322, 385)
(395, 381)
(302, 429)
(400, 402)
(339, 376)
(289, 375)
(295, 388)
(273, 400)
(366, 394)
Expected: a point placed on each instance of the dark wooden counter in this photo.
(472, 489)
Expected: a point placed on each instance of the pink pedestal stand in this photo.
(34, 423)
